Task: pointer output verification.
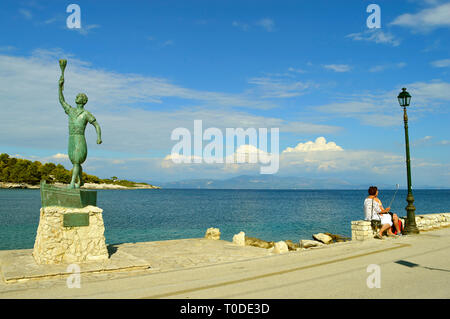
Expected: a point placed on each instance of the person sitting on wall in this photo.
(374, 211)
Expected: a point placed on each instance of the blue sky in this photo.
(311, 68)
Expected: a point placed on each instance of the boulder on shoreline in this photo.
(18, 185)
(307, 243)
(256, 242)
(323, 238)
(280, 247)
(212, 233)
(320, 239)
(338, 238)
(239, 239)
(115, 186)
(291, 245)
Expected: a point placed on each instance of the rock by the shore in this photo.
(306, 243)
(115, 186)
(338, 238)
(212, 233)
(85, 186)
(239, 239)
(280, 247)
(17, 185)
(323, 238)
(256, 242)
(291, 245)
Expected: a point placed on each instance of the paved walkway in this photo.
(408, 267)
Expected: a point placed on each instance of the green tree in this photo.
(17, 170)
(61, 175)
(47, 171)
(91, 178)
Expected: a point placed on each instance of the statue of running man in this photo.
(78, 119)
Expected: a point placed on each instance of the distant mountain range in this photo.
(277, 182)
(265, 182)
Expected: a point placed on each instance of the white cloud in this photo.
(124, 105)
(347, 108)
(267, 24)
(7, 48)
(311, 158)
(114, 87)
(296, 70)
(59, 156)
(319, 145)
(381, 120)
(422, 141)
(338, 67)
(375, 35)
(445, 63)
(369, 111)
(26, 13)
(244, 154)
(280, 88)
(264, 23)
(426, 19)
(427, 94)
(308, 128)
(168, 43)
(357, 165)
(381, 109)
(319, 156)
(240, 25)
(383, 67)
(50, 20)
(85, 29)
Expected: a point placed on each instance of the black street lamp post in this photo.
(411, 228)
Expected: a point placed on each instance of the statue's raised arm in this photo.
(66, 107)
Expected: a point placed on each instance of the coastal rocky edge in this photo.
(85, 186)
(280, 247)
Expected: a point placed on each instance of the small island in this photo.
(22, 173)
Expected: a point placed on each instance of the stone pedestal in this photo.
(71, 228)
(64, 237)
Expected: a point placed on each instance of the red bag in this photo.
(400, 224)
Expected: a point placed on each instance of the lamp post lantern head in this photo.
(404, 98)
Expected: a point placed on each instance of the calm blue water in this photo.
(150, 215)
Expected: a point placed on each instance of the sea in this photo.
(165, 214)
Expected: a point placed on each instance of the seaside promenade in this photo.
(406, 267)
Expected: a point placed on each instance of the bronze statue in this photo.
(78, 119)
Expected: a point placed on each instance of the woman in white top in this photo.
(374, 210)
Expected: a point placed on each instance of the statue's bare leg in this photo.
(75, 175)
(80, 178)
